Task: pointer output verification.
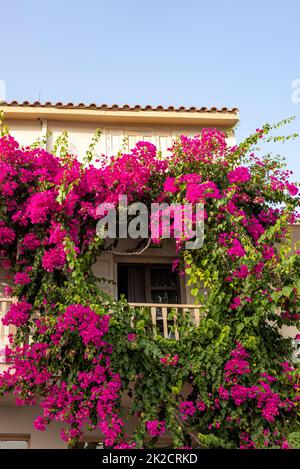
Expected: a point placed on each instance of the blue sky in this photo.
(193, 53)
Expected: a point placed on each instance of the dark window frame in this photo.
(147, 273)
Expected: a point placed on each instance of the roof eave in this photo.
(196, 118)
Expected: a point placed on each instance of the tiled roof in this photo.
(116, 107)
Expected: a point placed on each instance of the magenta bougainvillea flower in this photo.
(18, 314)
(7, 235)
(236, 249)
(155, 428)
(239, 175)
(22, 278)
(170, 185)
(55, 258)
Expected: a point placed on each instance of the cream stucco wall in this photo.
(17, 422)
(114, 137)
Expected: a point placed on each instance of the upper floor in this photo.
(121, 126)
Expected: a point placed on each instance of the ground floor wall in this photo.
(17, 429)
(16, 425)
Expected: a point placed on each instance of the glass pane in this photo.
(90, 445)
(13, 444)
(164, 296)
(162, 277)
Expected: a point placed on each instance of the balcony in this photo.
(164, 318)
(5, 331)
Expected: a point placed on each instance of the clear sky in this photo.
(170, 52)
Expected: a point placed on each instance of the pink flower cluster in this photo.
(30, 242)
(90, 325)
(96, 389)
(55, 258)
(189, 408)
(22, 278)
(131, 337)
(237, 365)
(155, 428)
(7, 235)
(169, 360)
(208, 148)
(236, 249)
(40, 205)
(18, 314)
(255, 228)
(266, 400)
(236, 303)
(238, 175)
(170, 185)
(200, 192)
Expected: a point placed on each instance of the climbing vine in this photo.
(228, 382)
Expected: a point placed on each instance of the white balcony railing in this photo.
(164, 319)
(164, 316)
(5, 331)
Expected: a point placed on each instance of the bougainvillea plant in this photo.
(77, 353)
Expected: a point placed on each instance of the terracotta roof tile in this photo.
(115, 107)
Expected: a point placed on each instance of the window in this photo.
(90, 445)
(14, 441)
(163, 285)
(148, 283)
